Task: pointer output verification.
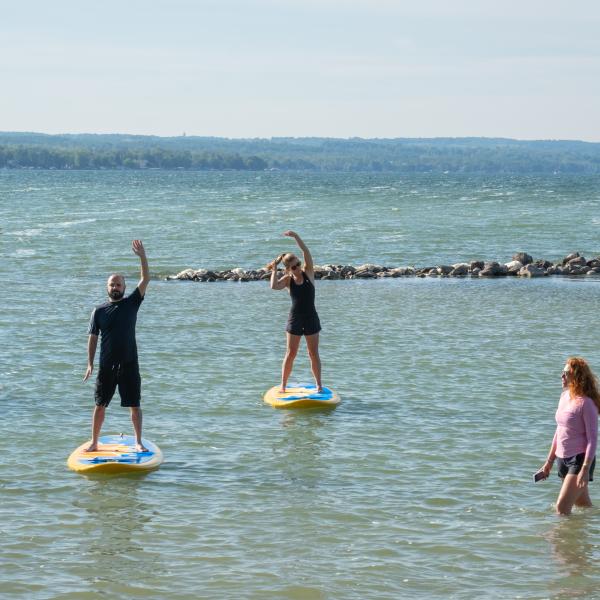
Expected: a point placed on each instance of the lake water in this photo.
(418, 485)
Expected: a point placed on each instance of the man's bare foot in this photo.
(282, 390)
(319, 389)
(140, 448)
(92, 448)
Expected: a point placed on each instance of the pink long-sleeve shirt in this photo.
(576, 427)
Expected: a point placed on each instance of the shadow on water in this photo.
(574, 555)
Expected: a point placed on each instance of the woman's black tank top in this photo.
(303, 297)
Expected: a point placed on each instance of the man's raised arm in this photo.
(138, 248)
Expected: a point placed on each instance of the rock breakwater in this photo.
(521, 265)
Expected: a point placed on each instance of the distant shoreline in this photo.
(405, 156)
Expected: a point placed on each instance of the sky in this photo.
(523, 69)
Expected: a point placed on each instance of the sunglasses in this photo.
(294, 267)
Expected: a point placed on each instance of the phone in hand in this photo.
(539, 476)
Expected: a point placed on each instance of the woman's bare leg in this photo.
(293, 342)
(570, 494)
(584, 499)
(312, 343)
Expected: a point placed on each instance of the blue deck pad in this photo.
(124, 457)
(326, 394)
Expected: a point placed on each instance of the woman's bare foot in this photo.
(140, 448)
(92, 448)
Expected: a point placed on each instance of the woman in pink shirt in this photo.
(576, 435)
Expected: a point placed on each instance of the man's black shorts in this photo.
(126, 377)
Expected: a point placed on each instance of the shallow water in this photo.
(417, 485)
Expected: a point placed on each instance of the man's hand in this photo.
(88, 372)
(138, 248)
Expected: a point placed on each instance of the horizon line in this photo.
(294, 137)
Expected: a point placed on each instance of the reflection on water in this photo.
(116, 517)
(575, 555)
(300, 447)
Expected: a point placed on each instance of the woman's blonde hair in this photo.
(582, 381)
(272, 266)
(284, 256)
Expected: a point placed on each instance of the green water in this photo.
(417, 485)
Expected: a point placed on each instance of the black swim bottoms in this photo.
(126, 376)
(303, 325)
(572, 465)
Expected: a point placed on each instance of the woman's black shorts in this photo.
(126, 377)
(572, 465)
(303, 324)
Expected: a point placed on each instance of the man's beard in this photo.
(115, 295)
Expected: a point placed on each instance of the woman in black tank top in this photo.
(303, 319)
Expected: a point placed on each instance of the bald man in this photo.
(115, 322)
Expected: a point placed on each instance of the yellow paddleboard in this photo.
(302, 396)
(115, 454)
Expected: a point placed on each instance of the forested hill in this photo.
(402, 155)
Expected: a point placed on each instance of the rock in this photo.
(523, 258)
(513, 267)
(594, 262)
(493, 269)
(475, 272)
(593, 271)
(578, 261)
(364, 274)
(460, 270)
(368, 267)
(542, 264)
(531, 271)
(476, 264)
(444, 270)
(186, 274)
(569, 257)
(571, 270)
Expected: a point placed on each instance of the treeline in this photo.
(402, 155)
(39, 157)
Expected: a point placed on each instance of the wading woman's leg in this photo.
(570, 494)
